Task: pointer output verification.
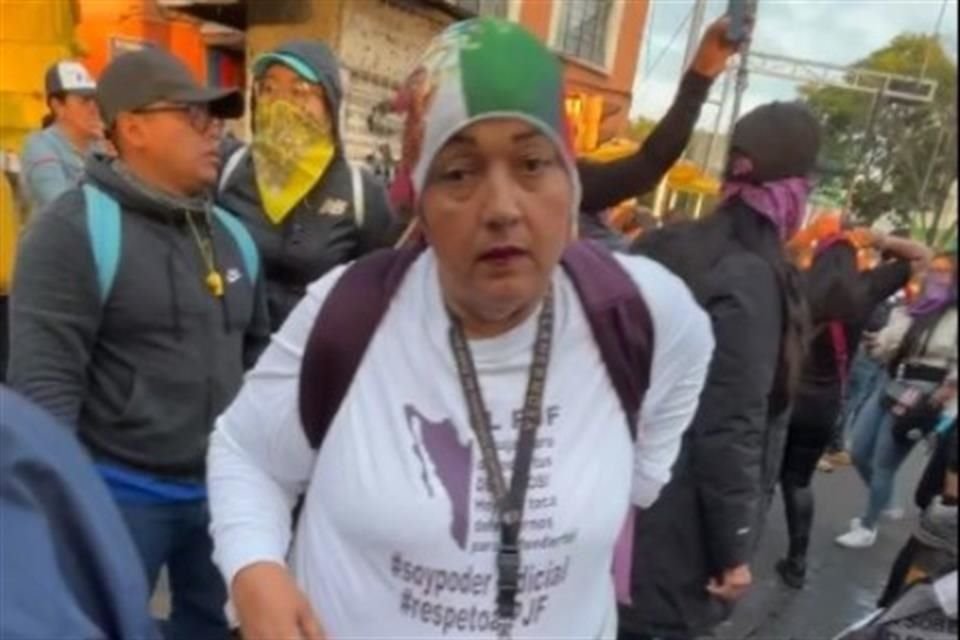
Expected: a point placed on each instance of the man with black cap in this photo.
(136, 308)
(52, 159)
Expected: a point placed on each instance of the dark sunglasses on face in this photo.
(198, 115)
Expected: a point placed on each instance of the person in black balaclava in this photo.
(692, 549)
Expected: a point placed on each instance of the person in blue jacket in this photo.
(70, 569)
(52, 159)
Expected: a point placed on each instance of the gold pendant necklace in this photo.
(213, 280)
(215, 283)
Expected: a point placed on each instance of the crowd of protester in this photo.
(478, 401)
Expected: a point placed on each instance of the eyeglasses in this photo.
(198, 115)
(300, 91)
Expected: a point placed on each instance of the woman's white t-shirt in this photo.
(398, 534)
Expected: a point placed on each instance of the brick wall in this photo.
(380, 41)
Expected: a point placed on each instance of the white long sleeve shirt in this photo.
(398, 537)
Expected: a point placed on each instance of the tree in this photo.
(905, 163)
(640, 128)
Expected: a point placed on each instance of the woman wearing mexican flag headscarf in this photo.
(305, 206)
(403, 523)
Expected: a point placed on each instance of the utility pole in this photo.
(693, 37)
(740, 84)
(718, 120)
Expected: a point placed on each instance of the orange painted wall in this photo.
(616, 86)
(102, 22)
(535, 15)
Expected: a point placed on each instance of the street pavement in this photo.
(842, 585)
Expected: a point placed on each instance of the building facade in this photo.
(599, 42)
(379, 41)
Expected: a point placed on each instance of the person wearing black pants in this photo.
(810, 429)
(841, 301)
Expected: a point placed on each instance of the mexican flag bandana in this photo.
(475, 70)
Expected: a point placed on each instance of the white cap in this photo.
(69, 76)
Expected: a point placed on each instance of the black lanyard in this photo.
(509, 500)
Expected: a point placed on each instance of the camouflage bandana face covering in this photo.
(470, 73)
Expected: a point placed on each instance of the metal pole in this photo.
(693, 38)
(743, 71)
(724, 94)
(740, 87)
(659, 198)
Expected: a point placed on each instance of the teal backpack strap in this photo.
(104, 230)
(248, 249)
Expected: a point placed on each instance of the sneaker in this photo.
(894, 514)
(824, 466)
(859, 537)
(793, 572)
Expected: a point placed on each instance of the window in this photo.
(493, 8)
(583, 29)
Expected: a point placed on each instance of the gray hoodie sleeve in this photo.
(42, 175)
(54, 309)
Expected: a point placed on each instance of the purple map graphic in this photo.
(453, 463)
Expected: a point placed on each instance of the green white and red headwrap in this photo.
(476, 70)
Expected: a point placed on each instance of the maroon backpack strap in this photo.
(620, 321)
(342, 331)
(838, 336)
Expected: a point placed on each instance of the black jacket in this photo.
(607, 184)
(322, 230)
(144, 374)
(707, 518)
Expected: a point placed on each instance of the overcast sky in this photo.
(835, 31)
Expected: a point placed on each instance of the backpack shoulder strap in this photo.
(248, 248)
(359, 204)
(104, 230)
(841, 351)
(342, 331)
(233, 161)
(619, 319)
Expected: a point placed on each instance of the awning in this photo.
(232, 13)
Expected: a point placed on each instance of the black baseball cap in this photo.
(140, 78)
(69, 76)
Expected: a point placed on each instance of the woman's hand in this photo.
(271, 607)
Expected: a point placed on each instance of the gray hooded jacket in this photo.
(143, 374)
(311, 240)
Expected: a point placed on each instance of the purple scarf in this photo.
(936, 295)
(783, 202)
